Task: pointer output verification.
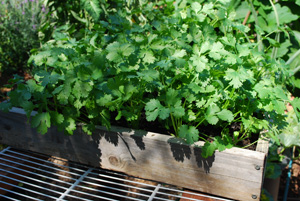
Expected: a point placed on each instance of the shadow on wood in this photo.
(146, 155)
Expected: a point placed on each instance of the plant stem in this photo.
(200, 122)
(277, 37)
(260, 45)
(174, 125)
(296, 70)
(250, 144)
(292, 58)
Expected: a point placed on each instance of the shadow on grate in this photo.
(26, 175)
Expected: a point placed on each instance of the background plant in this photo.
(19, 24)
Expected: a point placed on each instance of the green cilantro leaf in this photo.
(211, 113)
(154, 109)
(147, 56)
(117, 51)
(189, 133)
(236, 78)
(208, 149)
(81, 89)
(177, 110)
(225, 115)
(102, 101)
(41, 121)
(69, 125)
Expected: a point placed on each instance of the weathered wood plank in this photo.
(234, 173)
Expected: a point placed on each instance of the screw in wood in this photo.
(254, 196)
(257, 167)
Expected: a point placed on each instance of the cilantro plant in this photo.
(191, 68)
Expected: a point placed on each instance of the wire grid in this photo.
(26, 175)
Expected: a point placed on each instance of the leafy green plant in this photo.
(189, 67)
(19, 24)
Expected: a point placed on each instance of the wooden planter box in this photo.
(235, 173)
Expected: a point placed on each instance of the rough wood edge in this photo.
(161, 137)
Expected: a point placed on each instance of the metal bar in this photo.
(4, 150)
(39, 164)
(9, 198)
(26, 189)
(75, 184)
(37, 169)
(84, 193)
(47, 161)
(154, 192)
(119, 184)
(30, 178)
(120, 179)
(20, 194)
(111, 188)
(43, 155)
(35, 174)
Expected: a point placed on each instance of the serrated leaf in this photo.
(196, 7)
(225, 115)
(179, 53)
(41, 121)
(149, 75)
(208, 8)
(70, 125)
(88, 128)
(210, 115)
(217, 51)
(212, 119)
(57, 118)
(81, 89)
(222, 144)
(171, 96)
(102, 101)
(92, 7)
(189, 133)
(243, 50)
(147, 56)
(64, 94)
(28, 107)
(237, 78)
(5, 106)
(177, 110)
(208, 149)
(164, 113)
(116, 51)
(152, 115)
(154, 109)
(200, 63)
(200, 103)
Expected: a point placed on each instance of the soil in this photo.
(294, 185)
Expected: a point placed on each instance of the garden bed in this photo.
(146, 155)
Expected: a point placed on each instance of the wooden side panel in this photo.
(234, 173)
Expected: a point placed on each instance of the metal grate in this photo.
(26, 175)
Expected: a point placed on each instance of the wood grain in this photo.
(234, 173)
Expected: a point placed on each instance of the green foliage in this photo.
(182, 65)
(19, 24)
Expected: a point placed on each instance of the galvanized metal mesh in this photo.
(26, 175)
